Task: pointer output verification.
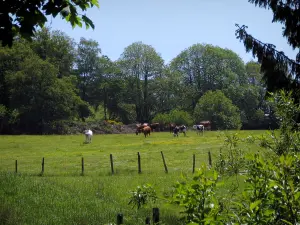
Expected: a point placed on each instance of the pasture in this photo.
(63, 196)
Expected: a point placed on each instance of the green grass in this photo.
(63, 196)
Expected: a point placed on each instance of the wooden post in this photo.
(194, 160)
(119, 219)
(155, 215)
(16, 166)
(43, 165)
(139, 163)
(147, 221)
(111, 164)
(82, 166)
(165, 165)
(209, 159)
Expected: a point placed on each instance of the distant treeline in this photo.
(52, 82)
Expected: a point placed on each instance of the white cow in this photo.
(88, 136)
(199, 128)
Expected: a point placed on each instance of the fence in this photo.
(139, 165)
(155, 217)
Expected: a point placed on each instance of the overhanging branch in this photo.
(279, 70)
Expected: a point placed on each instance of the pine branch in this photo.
(286, 12)
(279, 70)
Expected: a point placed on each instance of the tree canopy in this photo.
(23, 17)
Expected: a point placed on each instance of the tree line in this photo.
(52, 79)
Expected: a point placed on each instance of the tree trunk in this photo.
(145, 103)
(105, 104)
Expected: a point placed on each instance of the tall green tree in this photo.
(280, 72)
(87, 63)
(206, 67)
(56, 47)
(167, 93)
(9, 61)
(141, 63)
(23, 17)
(109, 88)
(250, 97)
(39, 96)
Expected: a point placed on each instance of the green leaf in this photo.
(287, 222)
(297, 195)
(88, 22)
(95, 2)
(254, 204)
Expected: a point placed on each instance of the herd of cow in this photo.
(147, 128)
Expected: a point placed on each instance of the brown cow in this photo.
(139, 128)
(146, 131)
(206, 124)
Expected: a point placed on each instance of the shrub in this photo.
(231, 159)
(287, 111)
(272, 195)
(180, 117)
(197, 196)
(161, 118)
(142, 195)
(217, 108)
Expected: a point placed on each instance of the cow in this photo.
(182, 129)
(139, 128)
(206, 124)
(88, 135)
(155, 126)
(146, 130)
(176, 131)
(199, 128)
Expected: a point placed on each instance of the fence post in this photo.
(147, 221)
(194, 159)
(165, 165)
(139, 163)
(119, 219)
(82, 166)
(16, 166)
(111, 164)
(155, 215)
(209, 159)
(43, 166)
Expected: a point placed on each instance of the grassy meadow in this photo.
(63, 196)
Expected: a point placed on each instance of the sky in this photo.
(171, 26)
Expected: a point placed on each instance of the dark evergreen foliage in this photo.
(280, 72)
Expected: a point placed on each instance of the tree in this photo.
(40, 97)
(167, 93)
(87, 66)
(110, 87)
(57, 48)
(206, 67)
(140, 63)
(247, 99)
(217, 108)
(23, 17)
(280, 72)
